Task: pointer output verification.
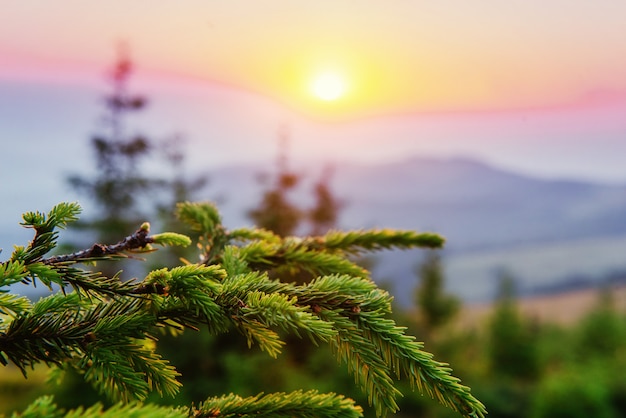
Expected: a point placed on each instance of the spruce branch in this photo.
(45, 407)
(405, 357)
(357, 242)
(27, 265)
(49, 333)
(282, 310)
(247, 234)
(13, 305)
(361, 319)
(44, 226)
(134, 410)
(364, 362)
(103, 339)
(127, 369)
(109, 337)
(205, 218)
(187, 295)
(299, 404)
(292, 253)
(137, 240)
(12, 272)
(41, 407)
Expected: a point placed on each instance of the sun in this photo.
(328, 86)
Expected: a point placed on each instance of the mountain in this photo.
(493, 219)
(477, 206)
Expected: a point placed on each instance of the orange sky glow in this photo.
(404, 56)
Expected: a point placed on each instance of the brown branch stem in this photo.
(138, 239)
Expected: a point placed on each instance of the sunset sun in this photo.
(328, 86)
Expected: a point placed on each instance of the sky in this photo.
(400, 56)
(532, 86)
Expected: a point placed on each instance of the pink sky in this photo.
(530, 85)
(398, 57)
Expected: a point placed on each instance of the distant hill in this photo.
(492, 219)
(477, 206)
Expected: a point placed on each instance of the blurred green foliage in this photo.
(435, 307)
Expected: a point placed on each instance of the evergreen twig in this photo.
(137, 240)
(108, 337)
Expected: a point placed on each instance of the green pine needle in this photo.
(171, 239)
(106, 328)
(299, 404)
(355, 242)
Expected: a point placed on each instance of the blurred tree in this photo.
(118, 185)
(513, 357)
(120, 190)
(513, 352)
(576, 393)
(277, 213)
(325, 213)
(435, 307)
(584, 375)
(602, 333)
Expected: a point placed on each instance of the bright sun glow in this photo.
(328, 86)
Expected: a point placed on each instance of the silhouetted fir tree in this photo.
(118, 184)
(276, 212)
(325, 213)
